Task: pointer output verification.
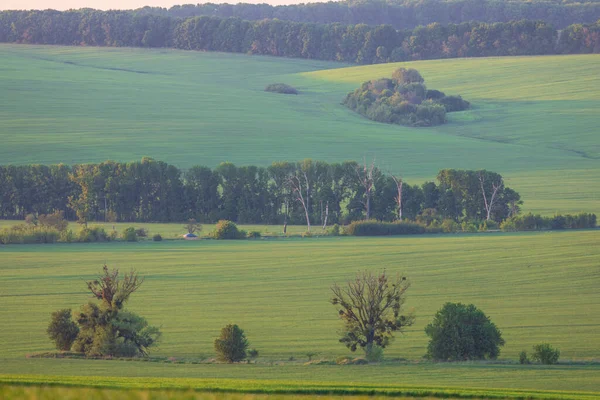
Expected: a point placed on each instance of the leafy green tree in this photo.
(108, 330)
(62, 330)
(371, 309)
(545, 354)
(232, 344)
(462, 332)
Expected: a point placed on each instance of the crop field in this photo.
(537, 287)
(534, 119)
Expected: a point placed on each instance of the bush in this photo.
(450, 226)
(376, 228)
(92, 234)
(157, 237)
(460, 332)
(129, 235)
(523, 358)
(231, 345)
(62, 330)
(252, 354)
(531, 222)
(141, 232)
(254, 234)
(334, 230)
(545, 354)
(55, 220)
(307, 234)
(227, 230)
(374, 353)
(29, 234)
(281, 88)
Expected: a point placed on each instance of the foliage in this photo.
(29, 234)
(531, 222)
(374, 353)
(281, 88)
(254, 235)
(129, 234)
(141, 232)
(376, 228)
(55, 220)
(227, 230)
(462, 332)
(105, 329)
(193, 226)
(371, 308)
(252, 354)
(523, 359)
(231, 345)
(62, 330)
(545, 354)
(403, 100)
(92, 234)
(157, 237)
(358, 43)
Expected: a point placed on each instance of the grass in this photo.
(537, 287)
(534, 118)
(268, 390)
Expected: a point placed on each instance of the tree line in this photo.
(401, 14)
(305, 192)
(360, 43)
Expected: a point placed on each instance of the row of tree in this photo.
(401, 14)
(304, 192)
(361, 43)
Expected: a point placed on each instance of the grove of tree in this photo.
(403, 99)
(305, 192)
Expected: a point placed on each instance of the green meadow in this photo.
(534, 119)
(537, 287)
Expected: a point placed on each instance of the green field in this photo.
(537, 287)
(534, 119)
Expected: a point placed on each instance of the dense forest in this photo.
(349, 43)
(404, 99)
(401, 14)
(150, 190)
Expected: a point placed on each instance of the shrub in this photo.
(468, 227)
(306, 234)
(93, 234)
(334, 230)
(227, 230)
(450, 226)
(55, 220)
(129, 234)
(281, 88)
(157, 237)
(141, 232)
(29, 234)
(460, 332)
(252, 354)
(231, 345)
(62, 330)
(376, 228)
(523, 358)
(254, 234)
(531, 222)
(374, 353)
(545, 354)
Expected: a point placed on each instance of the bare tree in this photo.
(365, 177)
(496, 186)
(112, 290)
(193, 226)
(398, 181)
(298, 182)
(371, 308)
(326, 214)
